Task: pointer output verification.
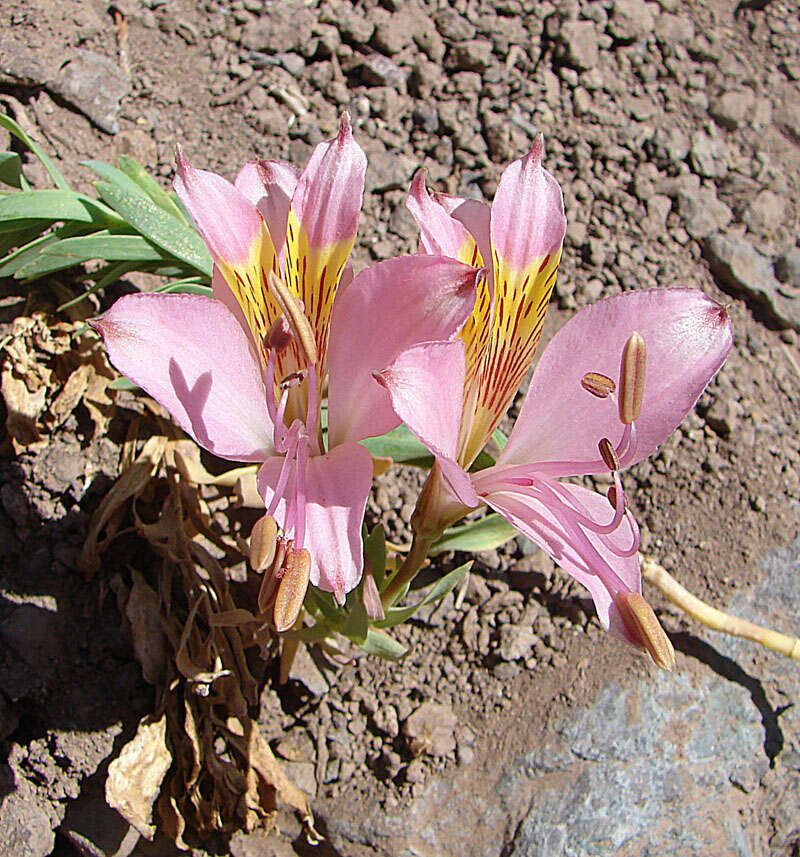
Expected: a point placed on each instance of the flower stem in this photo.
(413, 562)
(715, 619)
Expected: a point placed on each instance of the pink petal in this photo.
(388, 308)
(228, 222)
(269, 186)
(528, 219)
(426, 384)
(439, 233)
(337, 487)
(687, 336)
(475, 215)
(327, 199)
(589, 565)
(192, 356)
(222, 292)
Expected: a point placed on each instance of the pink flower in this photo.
(244, 373)
(612, 385)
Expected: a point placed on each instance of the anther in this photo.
(608, 454)
(292, 589)
(263, 542)
(598, 385)
(643, 626)
(631, 378)
(293, 379)
(612, 496)
(279, 336)
(294, 311)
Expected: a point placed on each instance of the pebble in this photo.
(431, 729)
(766, 213)
(630, 20)
(708, 155)
(733, 109)
(578, 44)
(787, 267)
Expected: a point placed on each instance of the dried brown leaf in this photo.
(135, 776)
(143, 611)
(69, 397)
(24, 408)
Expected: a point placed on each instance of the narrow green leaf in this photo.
(24, 224)
(104, 277)
(188, 286)
(134, 170)
(11, 263)
(100, 245)
(375, 553)
(178, 239)
(381, 644)
(10, 169)
(11, 126)
(18, 238)
(401, 446)
(56, 205)
(397, 615)
(482, 535)
(324, 602)
(122, 384)
(115, 177)
(356, 624)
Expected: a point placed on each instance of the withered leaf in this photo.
(149, 642)
(69, 397)
(135, 776)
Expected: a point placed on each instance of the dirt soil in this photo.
(669, 124)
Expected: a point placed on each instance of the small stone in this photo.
(287, 27)
(394, 34)
(733, 109)
(671, 28)
(702, 212)
(473, 55)
(305, 671)
(95, 85)
(671, 146)
(303, 775)
(630, 20)
(415, 771)
(431, 729)
(516, 642)
(385, 719)
(723, 416)
(378, 70)
(787, 267)
(453, 26)
(708, 156)
(739, 268)
(578, 44)
(766, 213)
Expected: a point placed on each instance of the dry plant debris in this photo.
(198, 765)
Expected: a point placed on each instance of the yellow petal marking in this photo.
(520, 304)
(313, 274)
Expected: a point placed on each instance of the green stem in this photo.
(420, 545)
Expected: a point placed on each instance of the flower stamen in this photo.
(598, 384)
(632, 371)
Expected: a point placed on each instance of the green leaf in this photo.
(56, 205)
(375, 553)
(397, 615)
(134, 170)
(11, 126)
(115, 177)
(123, 384)
(482, 535)
(10, 169)
(381, 644)
(104, 277)
(11, 263)
(324, 602)
(100, 245)
(189, 286)
(163, 229)
(356, 623)
(401, 446)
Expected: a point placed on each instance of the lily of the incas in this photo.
(244, 373)
(611, 386)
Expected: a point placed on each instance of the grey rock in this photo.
(95, 829)
(671, 146)
(472, 55)
(787, 267)
(453, 26)
(702, 213)
(765, 213)
(353, 25)
(578, 44)
(431, 729)
(387, 170)
(674, 28)
(394, 34)
(24, 826)
(95, 85)
(379, 70)
(287, 27)
(308, 673)
(516, 641)
(724, 414)
(708, 156)
(739, 268)
(630, 20)
(733, 109)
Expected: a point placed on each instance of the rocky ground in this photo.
(674, 130)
